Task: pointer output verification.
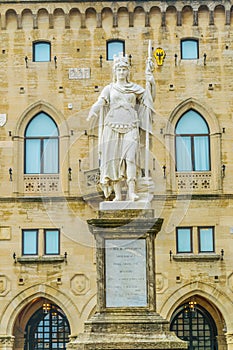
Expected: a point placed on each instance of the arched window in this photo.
(41, 146)
(195, 325)
(189, 49)
(192, 143)
(114, 47)
(41, 51)
(48, 328)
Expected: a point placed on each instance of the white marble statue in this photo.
(123, 109)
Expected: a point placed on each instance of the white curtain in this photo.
(201, 153)
(183, 153)
(32, 156)
(50, 156)
(206, 240)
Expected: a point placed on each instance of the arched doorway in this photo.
(192, 323)
(41, 324)
(47, 328)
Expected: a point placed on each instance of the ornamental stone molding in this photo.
(7, 340)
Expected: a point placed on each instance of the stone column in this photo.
(229, 339)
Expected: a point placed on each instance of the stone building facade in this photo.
(55, 57)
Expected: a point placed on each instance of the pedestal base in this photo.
(126, 317)
(112, 331)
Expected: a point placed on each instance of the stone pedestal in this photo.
(126, 316)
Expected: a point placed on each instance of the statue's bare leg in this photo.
(131, 176)
(131, 191)
(117, 189)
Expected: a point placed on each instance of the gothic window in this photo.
(114, 47)
(192, 143)
(41, 146)
(48, 328)
(195, 325)
(189, 49)
(41, 51)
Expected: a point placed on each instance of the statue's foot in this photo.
(133, 197)
(117, 199)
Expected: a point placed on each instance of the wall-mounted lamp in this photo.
(130, 60)
(9, 132)
(26, 61)
(170, 255)
(153, 163)
(164, 171)
(70, 174)
(222, 254)
(14, 258)
(204, 56)
(55, 61)
(10, 175)
(175, 59)
(101, 61)
(223, 170)
(65, 256)
(79, 164)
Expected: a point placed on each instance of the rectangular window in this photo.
(51, 242)
(30, 242)
(184, 240)
(206, 239)
(41, 52)
(115, 47)
(189, 49)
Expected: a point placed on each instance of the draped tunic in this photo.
(122, 112)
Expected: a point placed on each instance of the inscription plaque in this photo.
(126, 276)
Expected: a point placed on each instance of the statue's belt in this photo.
(122, 128)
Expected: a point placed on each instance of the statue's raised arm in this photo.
(121, 108)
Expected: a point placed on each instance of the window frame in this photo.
(58, 242)
(37, 42)
(37, 242)
(190, 228)
(114, 41)
(192, 143)
(42, 145)
(194, 40)
(199, 239)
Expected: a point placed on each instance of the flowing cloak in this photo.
(122, 111)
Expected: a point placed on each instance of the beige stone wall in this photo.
(78, 33)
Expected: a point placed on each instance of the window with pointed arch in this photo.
(192, 143)
(41, 146)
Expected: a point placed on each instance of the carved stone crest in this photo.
(80, 284)
(4, 285)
